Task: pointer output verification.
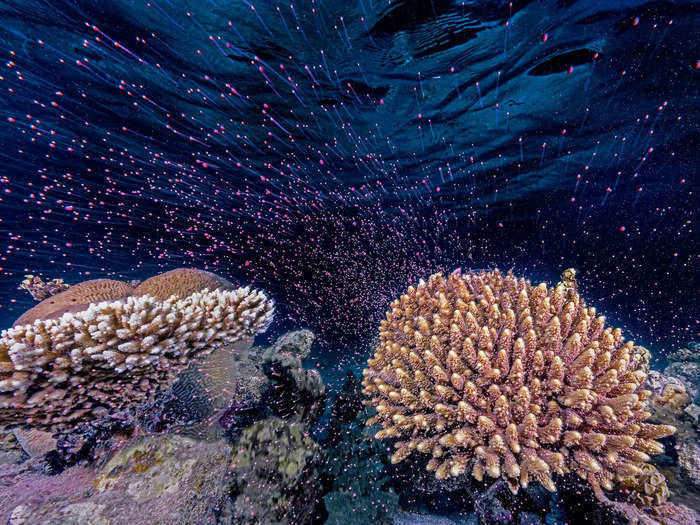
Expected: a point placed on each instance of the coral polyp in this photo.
(488, 373)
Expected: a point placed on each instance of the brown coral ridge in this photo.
(110, 355)
(485, 371)
(180, 282)
(76, 298)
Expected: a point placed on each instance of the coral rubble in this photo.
(484, 371)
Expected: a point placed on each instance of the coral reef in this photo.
(215, 398)
(689, 461)
(277, 480)
(106, 471)
(485, 371)
(685, 368)
(114, 355)
(681, 463)
(41, 290)
(688, 372)
(690, 354)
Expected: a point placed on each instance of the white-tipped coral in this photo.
(487, 373)
(115, 354)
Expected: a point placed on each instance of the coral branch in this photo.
(487, 372)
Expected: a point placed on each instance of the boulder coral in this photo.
(112, 347)
(488, 373)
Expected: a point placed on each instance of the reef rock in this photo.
(297, 343)
(276, 476)
(298, 395)
(11, 452)
(689, 373)
(159, 479)
(692, 353)
(689, 461)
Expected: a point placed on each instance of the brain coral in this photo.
(485, 371)
(180, 282)
(76, 298)
(114, 354)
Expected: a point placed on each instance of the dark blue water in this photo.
(333, 152)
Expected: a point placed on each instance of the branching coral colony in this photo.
(102, 346)
(484, 371)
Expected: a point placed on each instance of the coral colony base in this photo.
(485, 372)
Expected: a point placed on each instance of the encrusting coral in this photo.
(674, 398)
(105, 356)
(486, 372)
(639, 359)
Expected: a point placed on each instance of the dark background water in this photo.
(332, 152)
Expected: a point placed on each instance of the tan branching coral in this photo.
(486, 372)
(41, 290)
(114, 354)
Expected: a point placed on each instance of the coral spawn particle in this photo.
(485, 372)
